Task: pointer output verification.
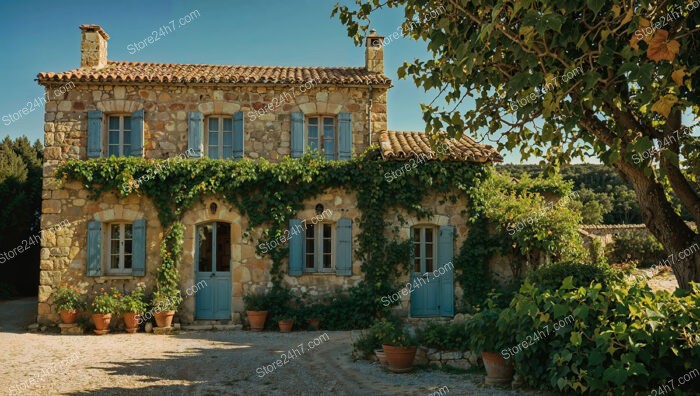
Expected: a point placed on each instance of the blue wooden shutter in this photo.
(94, 141)
(137, 133)
(297, 134)
(138, 258)
(343, 259)
(446, 270)
(194, 135)
(238, 135)
(344, 136)
(296, 247)
(94, 248)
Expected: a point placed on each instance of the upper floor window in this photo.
(120, 248)
(423, 249)
(318, 247)
(119, 135)
(220, 137)
(321, 136)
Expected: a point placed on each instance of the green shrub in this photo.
(105, 302)
(488, 332)
(445, 336)
(66, 298)
(619, 337)
(134, 301)
(255, 302)
(356, 308)
(635, 246)
(551, 276)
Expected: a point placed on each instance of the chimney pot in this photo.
(93, 46)
(374, 52)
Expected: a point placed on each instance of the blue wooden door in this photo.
(425, 288)
(213, 271)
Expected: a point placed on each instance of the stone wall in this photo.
(63, 254)
(267, 133)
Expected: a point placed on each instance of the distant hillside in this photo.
(602, 196)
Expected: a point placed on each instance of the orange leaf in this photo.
(663, 105)
(678, 75)
(662, 49)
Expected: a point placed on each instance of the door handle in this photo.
(425, 276)
(213, 275)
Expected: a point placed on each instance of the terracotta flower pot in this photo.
(498, 370)
(164, 318)
(315, 323)
(101, 323)
(257, 319)
(381, 356)
(69, 316)
(400, 359)
(131, 321)
(285, 325)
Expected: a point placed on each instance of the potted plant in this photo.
(165, 302)
(398, 345)
(68, 301)
(487, 336)
(103, 305)
(313, 313)
(285, 321)
(133, 305)
(256, 309)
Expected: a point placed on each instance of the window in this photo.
(321, 136)
(118, 136)
(318, 248)
(220, 137)
(120, 248)
(423, 249)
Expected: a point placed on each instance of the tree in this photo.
(567, 80)
(20, 194)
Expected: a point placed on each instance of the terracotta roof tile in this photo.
(143, 72)
(402, 145)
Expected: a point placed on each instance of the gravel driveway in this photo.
(200, 363)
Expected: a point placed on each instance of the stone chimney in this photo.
(93, 46)
(374, 52)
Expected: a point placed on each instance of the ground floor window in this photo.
(120, 248)
(318, 248)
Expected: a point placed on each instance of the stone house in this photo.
(159, 111)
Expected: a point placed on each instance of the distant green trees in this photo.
(599, 194)
(20, 210)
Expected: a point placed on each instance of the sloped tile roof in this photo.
(142, 72)
(403, 145)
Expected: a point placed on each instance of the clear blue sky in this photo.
(43, 35)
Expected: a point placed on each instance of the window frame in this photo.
(319, 254)
(220, 143)
(121, 270)
(320, 138)
(122, 133)
(422, 247)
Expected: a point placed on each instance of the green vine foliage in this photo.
(513, 218)
(269, 194)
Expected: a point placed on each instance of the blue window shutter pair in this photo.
(94, 136)
(94, 147)
(445, 256)
(194, 134)
(343, 261)
(195, 127)
(137, 133)
(344, 136)
(297, 134)
(94, 248)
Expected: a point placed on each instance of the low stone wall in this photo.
(454, 359)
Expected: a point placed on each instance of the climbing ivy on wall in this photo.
(269, 194)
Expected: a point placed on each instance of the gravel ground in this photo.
(200, 363)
